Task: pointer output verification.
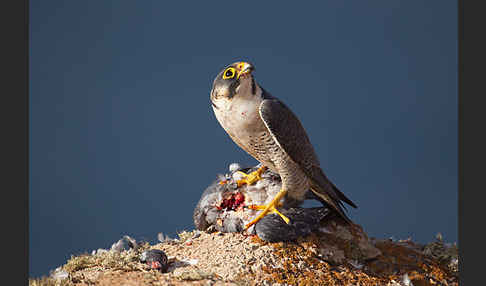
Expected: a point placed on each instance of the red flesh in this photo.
(155, 265)
(233, 202)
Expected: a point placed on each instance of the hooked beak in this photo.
(245, 68)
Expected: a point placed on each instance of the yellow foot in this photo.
(251, 178)
(268, 209)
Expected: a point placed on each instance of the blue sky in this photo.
(123, 139)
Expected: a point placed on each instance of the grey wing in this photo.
(288, 132)
(290, 135)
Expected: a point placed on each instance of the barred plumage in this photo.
(268, 130)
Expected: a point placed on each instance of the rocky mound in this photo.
(315, 248)
(200, 258)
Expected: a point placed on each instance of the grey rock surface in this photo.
(59, 274)
(125, 243)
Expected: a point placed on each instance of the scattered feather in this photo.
(233, 167)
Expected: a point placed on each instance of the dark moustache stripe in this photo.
(253, 85)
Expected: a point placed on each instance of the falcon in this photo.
(268, 130)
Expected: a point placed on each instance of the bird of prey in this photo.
(268, 130)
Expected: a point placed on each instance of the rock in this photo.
(446, 253)
(406, 280)
(316, 248)
(100, 251)
(125, 243)
(340, 242)
(59, 274)
(333, 254)
(163, 238)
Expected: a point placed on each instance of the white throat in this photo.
(240, 111)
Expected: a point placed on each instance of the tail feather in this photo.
(342, 196)
(325, 198)
(324, 189)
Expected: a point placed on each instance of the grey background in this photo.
(123, 139)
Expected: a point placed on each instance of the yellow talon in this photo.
(252, 177)
(269, 208)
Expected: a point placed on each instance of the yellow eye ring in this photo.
(229, 73)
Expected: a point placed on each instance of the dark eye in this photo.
(229, 73)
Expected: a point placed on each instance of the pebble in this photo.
(126, 243)
(99, 251)
(59, 274)
(196, 235)
(406, 280)
(163, 238)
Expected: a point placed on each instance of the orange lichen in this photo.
(405, 258)
(286, 263)
(301, 265)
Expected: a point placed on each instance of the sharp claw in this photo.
(252, 177)
(286, 219)
(240, 183)
(249, 225)
(269, 208)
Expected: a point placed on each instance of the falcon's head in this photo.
(235, 79)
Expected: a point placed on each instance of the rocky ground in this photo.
(202, 258)
(315, 248)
